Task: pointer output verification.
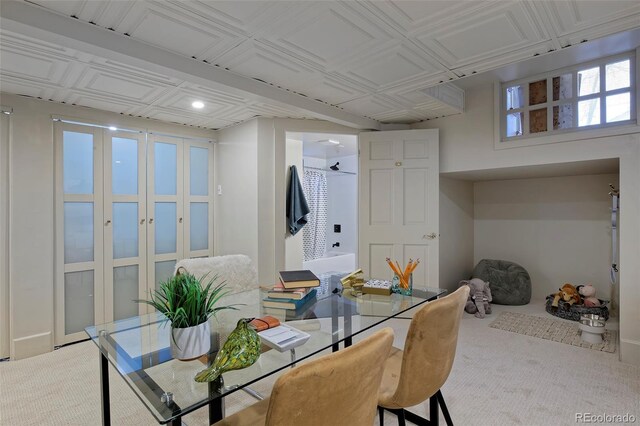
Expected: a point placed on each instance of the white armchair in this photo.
(236, 270)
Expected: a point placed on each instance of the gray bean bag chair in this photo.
(509, 282)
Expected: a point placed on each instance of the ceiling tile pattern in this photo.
(371, 58)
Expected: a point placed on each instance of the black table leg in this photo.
(434, 414)
(348, 313)
(216, 405)
(176, 422)
(335, 325)
(104, 383)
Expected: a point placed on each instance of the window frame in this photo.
(574, 132)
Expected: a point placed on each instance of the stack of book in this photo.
(292, 295)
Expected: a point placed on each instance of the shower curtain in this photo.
(314, 234)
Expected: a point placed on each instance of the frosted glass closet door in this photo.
(198, 198)
(125, 224)
(79, 236)
(164, 207)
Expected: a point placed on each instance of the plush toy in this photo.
(479, 301)
(569, 294)
(588, 292)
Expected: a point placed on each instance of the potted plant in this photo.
(188, 305)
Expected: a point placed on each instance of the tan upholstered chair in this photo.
(418, 372)
(337, 389)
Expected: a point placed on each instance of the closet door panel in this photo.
(125, 164)
(125, 290)
(165, 161)
(162, 271)
(78, 164)
(198, 170)
(125, 230)
(79, 230)
(199, 226)
(166, 226)
(165, 235)
(124, 227)
(79, 301)
(198, 199)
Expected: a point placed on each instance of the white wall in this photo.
(456, 231)
(268, 146)
(467, 143)
(557, 228)
(31, 226)
(236, 210)
(266, 201)
(293, 243)
(342, 203)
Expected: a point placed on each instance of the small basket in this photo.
(574, 312)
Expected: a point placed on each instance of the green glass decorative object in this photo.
(241, 350)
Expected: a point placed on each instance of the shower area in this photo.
(328, 170)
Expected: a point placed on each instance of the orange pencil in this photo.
(407, 269)
(415, 265)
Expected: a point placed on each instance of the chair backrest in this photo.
(340, 388)
(236, 270)
(429, 349)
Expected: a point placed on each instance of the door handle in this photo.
(180, 220)
(107, 223)
(151, 220)
(431, 236)
(141, 221)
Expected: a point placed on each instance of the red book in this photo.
(265, 323)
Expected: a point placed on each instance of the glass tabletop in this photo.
(139, 347)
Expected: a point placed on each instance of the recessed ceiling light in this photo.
(329, 142)
(197, 104)
(113, 128)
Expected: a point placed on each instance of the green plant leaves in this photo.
(186, 302)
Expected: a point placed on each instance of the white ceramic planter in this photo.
(191, 342)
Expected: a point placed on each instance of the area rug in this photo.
(552, 329)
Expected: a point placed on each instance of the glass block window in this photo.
(586, 96)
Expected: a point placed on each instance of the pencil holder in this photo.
(396, 287)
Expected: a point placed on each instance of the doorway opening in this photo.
(327, 166)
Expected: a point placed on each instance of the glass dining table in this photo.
(139, 347)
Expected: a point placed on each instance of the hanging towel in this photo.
(297, 207)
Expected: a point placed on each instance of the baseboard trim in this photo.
(630, 351)
(36, 344)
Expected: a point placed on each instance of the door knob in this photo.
(431, 236)
(151, 220)
(180, 220)
(107, 223)
(141, 221)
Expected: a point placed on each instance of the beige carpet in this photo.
(561, 331)
(497, 378)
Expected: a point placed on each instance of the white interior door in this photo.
(399, 202)
(125, 275)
